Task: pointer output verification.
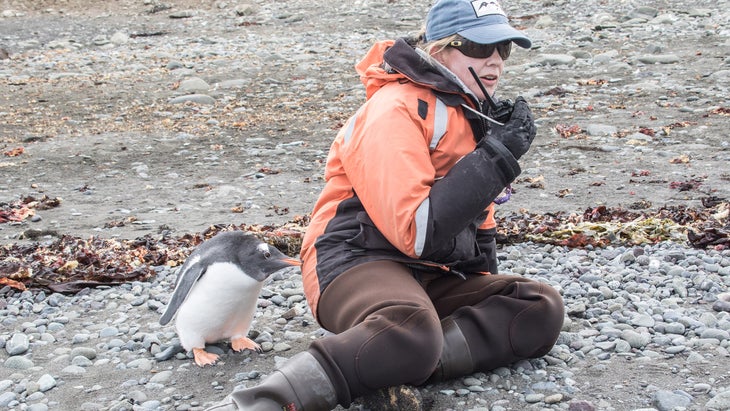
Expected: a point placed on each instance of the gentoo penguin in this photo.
(217, 290)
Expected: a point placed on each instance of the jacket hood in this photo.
(396, 60)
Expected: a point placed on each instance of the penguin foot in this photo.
(203, 358)
(242, 343)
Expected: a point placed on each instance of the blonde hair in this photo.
(434, 46)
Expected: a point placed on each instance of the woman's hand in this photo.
(518, 132)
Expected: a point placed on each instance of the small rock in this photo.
(18, 344)
(46, 382)
(162, 377)
(182, 14)
(74, 370)
(6, 398)
(671, 400)
(119, 38)
(193, 85)
(581, 405)
(89, 353)
(18, 362)
(659, 59)
(600, 130)
(194, 98)
(556, 59)
(553, 398)
(534, 398)
(719, 402)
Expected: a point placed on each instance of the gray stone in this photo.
(606, 57)
(87, 352)
(119, 38)
(194, 98)
(81, 361)
(18, 344)
(697, 12)
(73, 370)
(659, 59)
(233, 84)
(6, 398)
(534, 398)
(107, 332)
(193, 85)
(182, 14)
(140, 363)
(581, 405)
(644, 12)
(46, 382)
(174, 65)
(721, 401)
(555, 59)
(18, 362)
(162, 377)
(671, 400)
(635, 339)
(642, 320)
(715, 333)
(600, 130)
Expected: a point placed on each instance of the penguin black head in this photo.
(255, 257)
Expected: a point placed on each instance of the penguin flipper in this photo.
(189, 275)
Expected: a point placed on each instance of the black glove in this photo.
(518, 132)
(502, 110)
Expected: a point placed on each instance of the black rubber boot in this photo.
(299, 385)
(456, 360)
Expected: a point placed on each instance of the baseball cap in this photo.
(481, 21)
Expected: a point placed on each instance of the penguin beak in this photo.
(291, 261)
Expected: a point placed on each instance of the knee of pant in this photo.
(538, 327)
(410, 345)
(426, 342)
(420, 336)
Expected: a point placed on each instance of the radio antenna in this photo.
(491, 102)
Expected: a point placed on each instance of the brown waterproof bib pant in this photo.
(387, 324)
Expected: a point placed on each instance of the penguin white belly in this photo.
(220, 305)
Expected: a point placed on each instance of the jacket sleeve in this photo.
(487, 242)
(466, 190)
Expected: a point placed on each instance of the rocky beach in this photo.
(139, 121)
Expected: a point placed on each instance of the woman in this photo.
(399, 261)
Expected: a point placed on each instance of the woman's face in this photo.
(488, 69)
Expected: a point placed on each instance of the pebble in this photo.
(46, 382)
(18, 344)
(18, 363)
(659, 59)
(671, 400)
(193, 85)
(721, 401)
(193, 98)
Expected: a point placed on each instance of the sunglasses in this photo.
(481, 51)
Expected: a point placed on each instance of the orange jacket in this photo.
(380, 199)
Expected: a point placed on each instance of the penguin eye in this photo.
(264, 250)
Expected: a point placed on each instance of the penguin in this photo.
(217, 289)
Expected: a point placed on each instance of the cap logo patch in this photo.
(486, 8)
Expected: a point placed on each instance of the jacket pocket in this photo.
(369, 237)
(460, 248)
